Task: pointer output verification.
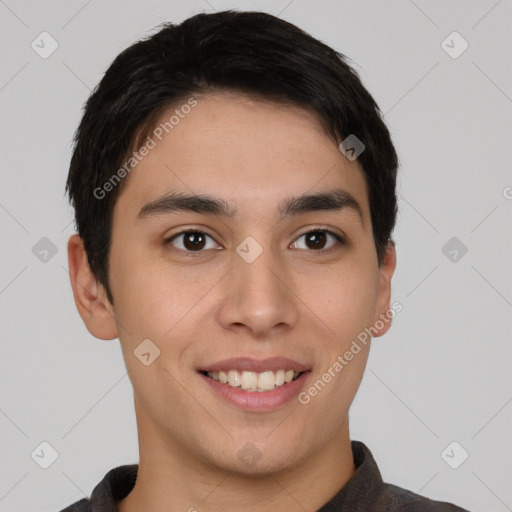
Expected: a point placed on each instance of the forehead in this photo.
(245, 150)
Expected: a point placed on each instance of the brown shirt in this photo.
(364, 492)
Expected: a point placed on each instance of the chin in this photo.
(256, 460)
(258, 470)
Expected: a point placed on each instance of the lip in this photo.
(249, 364)
(255, 400)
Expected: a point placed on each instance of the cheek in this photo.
(153, 301)
(148, 297)
(344, 299)
(345, 303)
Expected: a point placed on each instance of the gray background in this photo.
(441, 374)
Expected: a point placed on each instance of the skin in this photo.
(292, 301)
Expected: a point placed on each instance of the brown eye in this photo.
(191, 241)
(317, 240)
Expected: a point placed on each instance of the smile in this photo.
(253, 381)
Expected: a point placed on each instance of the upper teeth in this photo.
(252, 381)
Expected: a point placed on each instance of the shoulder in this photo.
(403, 500)
(114, 486)
(84, 505)
(366, 491)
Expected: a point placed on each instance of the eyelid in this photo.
(324, 227)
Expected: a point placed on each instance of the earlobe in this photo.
(95, 310)
(382, 319)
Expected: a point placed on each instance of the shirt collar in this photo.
(364, 486)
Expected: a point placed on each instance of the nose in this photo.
(258, 297)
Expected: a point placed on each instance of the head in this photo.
(246, 113)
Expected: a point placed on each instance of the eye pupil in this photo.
(317, 237)
(189, 243)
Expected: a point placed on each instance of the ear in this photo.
(386, 270)
(90, 296)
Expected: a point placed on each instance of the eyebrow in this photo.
(329, 200)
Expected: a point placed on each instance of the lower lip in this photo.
(258, 400)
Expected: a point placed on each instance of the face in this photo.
(276, 285)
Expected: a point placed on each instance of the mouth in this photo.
(265, 381)
(256, 385)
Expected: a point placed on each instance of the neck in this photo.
(170, 474)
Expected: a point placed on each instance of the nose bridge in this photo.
(257, 292)
(258, 277)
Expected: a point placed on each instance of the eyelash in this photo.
(339, 239)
